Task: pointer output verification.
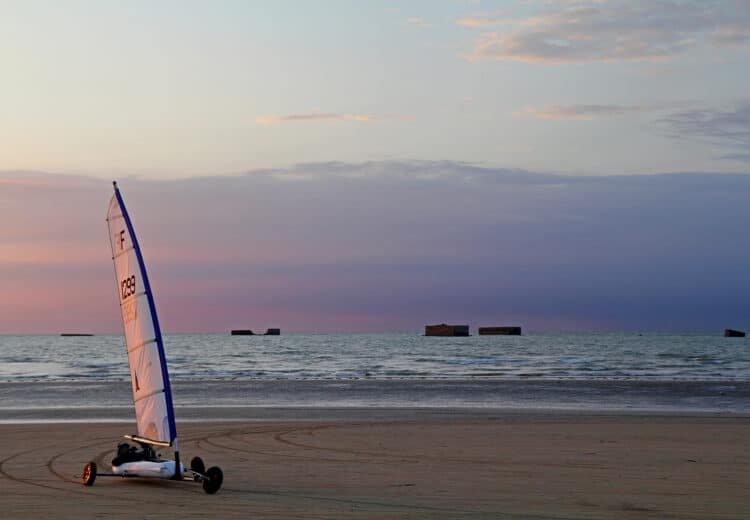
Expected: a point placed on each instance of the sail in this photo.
(152, 394)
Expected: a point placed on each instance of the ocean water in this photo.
(697, 372)
(650, 357)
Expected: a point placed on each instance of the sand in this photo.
(399, 464)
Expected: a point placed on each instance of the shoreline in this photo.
(223, 414)
(590, 395)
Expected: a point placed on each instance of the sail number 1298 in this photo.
(127, 287)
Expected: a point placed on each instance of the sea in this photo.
(659, 372)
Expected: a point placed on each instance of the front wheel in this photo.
(215, 477)
(89, 474)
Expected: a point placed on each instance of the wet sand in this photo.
(398, 463)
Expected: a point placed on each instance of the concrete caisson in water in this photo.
(499, 331)
(446, 330)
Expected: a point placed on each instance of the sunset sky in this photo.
(372, 165)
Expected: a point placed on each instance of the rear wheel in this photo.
(89, 474)
(197, 465)
(215, 477)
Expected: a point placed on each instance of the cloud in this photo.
(315, 116)
(617, 30)
(480, 20)
(741, 157)
(583, 111)
(383, 245)
(418, 22)
(475, 22)
(728, 128)
(732, 34)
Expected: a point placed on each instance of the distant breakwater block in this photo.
(248, 332)
(499, 331)
(446, 330)
(731, 333)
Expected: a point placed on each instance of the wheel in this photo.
(89, 474)
(197, 465)
(215, 477)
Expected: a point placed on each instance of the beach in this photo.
(395, 463)
(563, 426)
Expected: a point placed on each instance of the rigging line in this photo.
(124, 251)
(134, 295)
(141, 345)
(141, 398)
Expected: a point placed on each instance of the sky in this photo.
(374, 165)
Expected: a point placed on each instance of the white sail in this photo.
(152, 394)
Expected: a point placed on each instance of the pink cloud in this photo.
(475, 22)
(418, 22)
(584, 111)
(617, 30)
(325, 117)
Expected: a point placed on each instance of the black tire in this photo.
(197, 465)
(215, 477)
(89, 474)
